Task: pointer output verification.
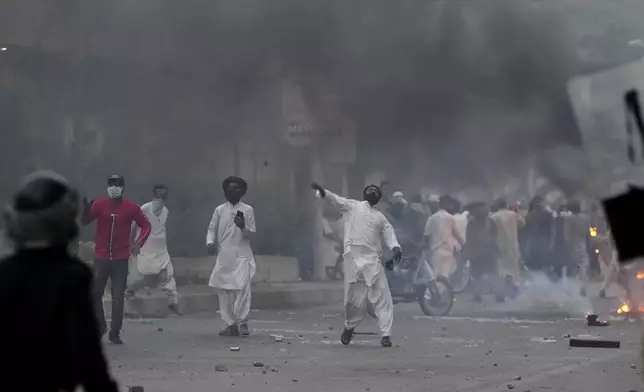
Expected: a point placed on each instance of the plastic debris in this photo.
(594, 343)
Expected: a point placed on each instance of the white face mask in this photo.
(114, 192)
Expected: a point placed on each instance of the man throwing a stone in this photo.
(365, 230)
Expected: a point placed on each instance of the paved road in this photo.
(477, 349)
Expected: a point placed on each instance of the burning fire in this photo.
(626, 308)
(640, 275)
(593, 231)
(596, 251)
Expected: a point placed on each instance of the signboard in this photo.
(343, 148)
(298, 124)
(605, 106)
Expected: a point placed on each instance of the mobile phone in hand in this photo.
(240, 214)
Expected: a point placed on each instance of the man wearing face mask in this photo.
(153, 262)
(229, 237)
(45, 294)
(365, 229)
(115, 217)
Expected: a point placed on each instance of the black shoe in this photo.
(243, 330)
(230, 331)
(346, 336)
(385, 341)
(174, 308)
(114, 338)
(602, 293)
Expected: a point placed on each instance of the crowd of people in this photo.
(503, 242)
(56, 301)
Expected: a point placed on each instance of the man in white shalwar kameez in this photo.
(229, 236)
(443, 239)
(153, 261)
(365, 229)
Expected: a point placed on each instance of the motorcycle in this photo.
(460, 279)
(413, 279)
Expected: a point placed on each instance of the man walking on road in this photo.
(443, 239)
(153, 262)
(365, 229)
(229, 237)
(507, 242)
(115, 217)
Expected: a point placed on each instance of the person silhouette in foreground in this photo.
(53, 340)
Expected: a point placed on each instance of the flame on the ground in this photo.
(640, 275)
(627, 308)
(593, 231)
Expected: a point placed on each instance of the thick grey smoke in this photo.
(480, 85)
(477, 85)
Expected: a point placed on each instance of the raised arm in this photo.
(335, 201)
(89, 212)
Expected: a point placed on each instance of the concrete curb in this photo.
(264, 298)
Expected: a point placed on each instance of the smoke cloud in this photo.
(479, 85)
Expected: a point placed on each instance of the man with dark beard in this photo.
(230, 232)
(53, 340)
(365, 230)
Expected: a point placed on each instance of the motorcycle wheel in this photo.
(437, 298)
(460, 279)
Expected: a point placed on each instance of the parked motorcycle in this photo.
(413, 279)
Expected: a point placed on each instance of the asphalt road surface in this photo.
(521, 346)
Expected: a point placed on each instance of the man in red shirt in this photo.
(114, 216)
